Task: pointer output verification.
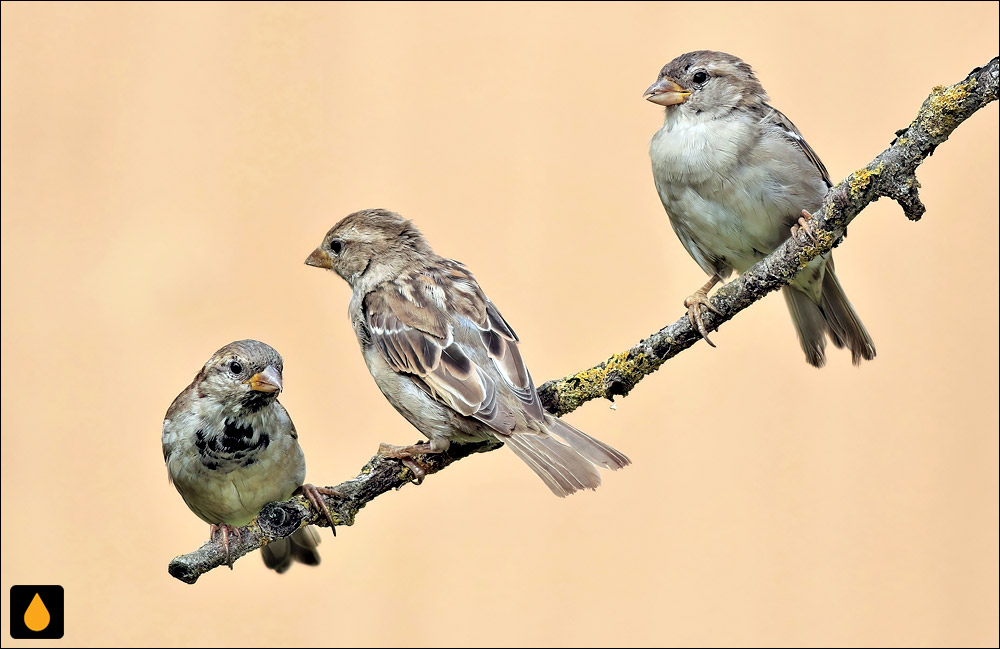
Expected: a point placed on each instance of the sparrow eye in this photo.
(235, 367)
(336, 245)
(700, 77)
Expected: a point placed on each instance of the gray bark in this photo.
(891, 174)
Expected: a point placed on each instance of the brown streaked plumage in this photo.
(443, 355)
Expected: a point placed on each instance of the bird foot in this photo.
(696, 304)
(315, 495)
(802, 225)
(406, 454)
(226, 531)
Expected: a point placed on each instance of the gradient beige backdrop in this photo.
(167, 168)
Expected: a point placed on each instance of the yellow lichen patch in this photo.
(633, 368)
(939, 118)
(803, 259)
(824, 241)
(583, 386)
(861, 179)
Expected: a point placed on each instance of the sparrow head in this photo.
(243, 374)
(370, 246)
(706, 83)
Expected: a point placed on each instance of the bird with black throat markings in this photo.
(231, 448)
(736, 178)
(444, 357)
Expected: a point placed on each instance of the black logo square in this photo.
(36, 612)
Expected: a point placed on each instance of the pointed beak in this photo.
(267, 381)
(666, 93)
(319, 259)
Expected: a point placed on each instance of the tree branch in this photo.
(891, 174)
(278, 520)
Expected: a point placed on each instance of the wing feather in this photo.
(449, 341)
(791, 132)
(456, 346)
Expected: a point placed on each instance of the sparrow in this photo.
(231, 448)
(444, 357)
(735, 176)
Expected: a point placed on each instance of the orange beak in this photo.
(666, 93)
(267, 381)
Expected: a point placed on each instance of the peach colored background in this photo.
(166, 170)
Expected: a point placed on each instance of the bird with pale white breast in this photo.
(736, 177)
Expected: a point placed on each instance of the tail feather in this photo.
(846, 328)
(833, 316)
(564, 470)
(809, 323)
(304, 542)
(593, 449)
(300, 546)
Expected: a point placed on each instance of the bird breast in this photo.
(227, 476)
(727, 196)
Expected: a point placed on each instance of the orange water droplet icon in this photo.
(37, 616)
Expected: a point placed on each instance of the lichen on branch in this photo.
(891, 174)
